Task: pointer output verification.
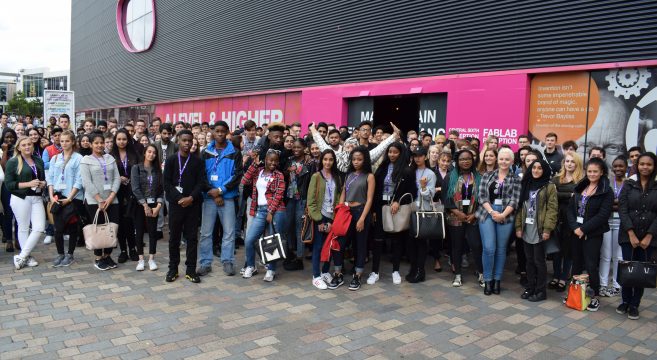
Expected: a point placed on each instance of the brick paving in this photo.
(82, 313)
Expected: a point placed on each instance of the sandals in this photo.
(561, 286)
(553, 284)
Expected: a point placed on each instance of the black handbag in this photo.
(637, 274)
(428, 224)
(307, 229)
(552, 244)
(271, 247)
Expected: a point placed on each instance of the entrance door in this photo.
(402, 110)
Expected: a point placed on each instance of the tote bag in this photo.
(271, 247)
(400, 221)
(101, 236)
(637, 274)
(577, 298)
(428, 224)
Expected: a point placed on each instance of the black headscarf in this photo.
(531, 184)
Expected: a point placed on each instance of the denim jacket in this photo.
(72, 178)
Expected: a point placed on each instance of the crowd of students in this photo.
(233, 186)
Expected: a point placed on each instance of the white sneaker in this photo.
(248, 272)
(47, 239)
(19, 262)
(373, 278)
(152, 266)
(269, 276)
(396, 278)
(457, 281)
(140, 265)
(31, 262)
(481, 280)
(319, 283)
(603, 291)
(327, 277)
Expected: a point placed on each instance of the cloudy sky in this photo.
(35, 33)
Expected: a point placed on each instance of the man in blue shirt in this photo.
(224, 170)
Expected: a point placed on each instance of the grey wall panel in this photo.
(206, 47)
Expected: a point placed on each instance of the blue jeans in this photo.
(226, 215)
(295, 209)
(258, 228)
(494, 238)
(318, 243)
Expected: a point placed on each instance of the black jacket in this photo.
(193, 180)
(638, 211)
(303, 178)
(406, 184)
(597, 211)
(554, 160)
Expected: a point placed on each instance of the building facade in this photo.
(481, 67)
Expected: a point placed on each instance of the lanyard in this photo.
(103, 165)
(500, 188)
(617, 189)
(387, 181)
(467, 185)
(349, 182)
(33, 167)
(124, 162)
(532, 201)
(150, 183)
(584, 200)
(330, 188)
(217, 159)
(181, 168)
(64, 161)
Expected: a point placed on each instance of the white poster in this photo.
(57, 102)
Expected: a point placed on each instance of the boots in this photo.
(496, 287)
(539, 295)
(488, 288)
(529, 292)
(412, 272)
(418, 277)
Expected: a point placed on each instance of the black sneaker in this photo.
(123, 257)
(355, 283)
(633, 313)
(102, 265)
(172, 275)
(622, 309)
(193, 277)
(338, 280)
(133, 255)
(111, 262)
(594, 305)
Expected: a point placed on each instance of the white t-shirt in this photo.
(261, 186)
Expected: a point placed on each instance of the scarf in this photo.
(529, 183)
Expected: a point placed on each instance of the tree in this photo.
(19, 105)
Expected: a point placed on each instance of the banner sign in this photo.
(57, 102)
(433, 114)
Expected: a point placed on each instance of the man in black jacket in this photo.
(184, 181)
(552, 154)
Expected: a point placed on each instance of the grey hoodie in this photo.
(93, 178)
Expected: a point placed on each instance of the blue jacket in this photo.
(226, 166)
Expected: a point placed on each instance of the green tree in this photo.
(20, 106)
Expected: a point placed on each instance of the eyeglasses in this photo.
(273, 151)
(466, 159)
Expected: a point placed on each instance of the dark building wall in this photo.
(206, 47)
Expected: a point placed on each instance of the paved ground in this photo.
(83, 313)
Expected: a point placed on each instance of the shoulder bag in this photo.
(637, 274)
(271, 247)
(428, 224)
(308, 226)
(401, 221)
(101, 236)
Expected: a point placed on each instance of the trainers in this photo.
(172, 275)
(457, 281)
(373, 278)
(242, 270)
(633, 313)
(111, 262)
(319, 283)
(31, 262)
(58, 261)
(327, 277)
(464, 261)
(603, 291)
(204, 270)
(68, 260)
(355, 283)
(396, 278)
(336, 282)
(140, 265)
(481, 280)
(249, 271)
(152, 265)
(19, 262)
(622, 309)
(594, 305)
(193, 277)
(269, 276)
(229, 269)
(613, 291)
(102, 265)
(123, 257)
(47, 239)
(133, 255)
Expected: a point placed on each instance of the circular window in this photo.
(135, 21)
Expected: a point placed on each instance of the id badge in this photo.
(580, 220)
(179, 188)
(498, 202)
(37, 190)
(61, 186)
(386, 197)
(107, 187)
(150, 201)
(465, 202)
(214, 177)
(529, 221)
(615, 215)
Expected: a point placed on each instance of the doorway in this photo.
(402, 110)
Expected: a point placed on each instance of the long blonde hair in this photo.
(17, 152)
(578, 174)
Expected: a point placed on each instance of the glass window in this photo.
(139, 23)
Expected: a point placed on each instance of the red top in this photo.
(275, 189)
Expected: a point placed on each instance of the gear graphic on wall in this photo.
(628, 82)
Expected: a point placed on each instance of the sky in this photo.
(35, 34)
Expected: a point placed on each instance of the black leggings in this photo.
(380, 237)
(146, 224)
(458, 236)
(586, 256)
(71, 230)
(126, 235)
(357, 239)
(112, 214)
(536, 265)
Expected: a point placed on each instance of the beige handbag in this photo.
(400, 221)
(101, 236)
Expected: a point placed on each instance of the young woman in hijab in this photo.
(536, 219)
